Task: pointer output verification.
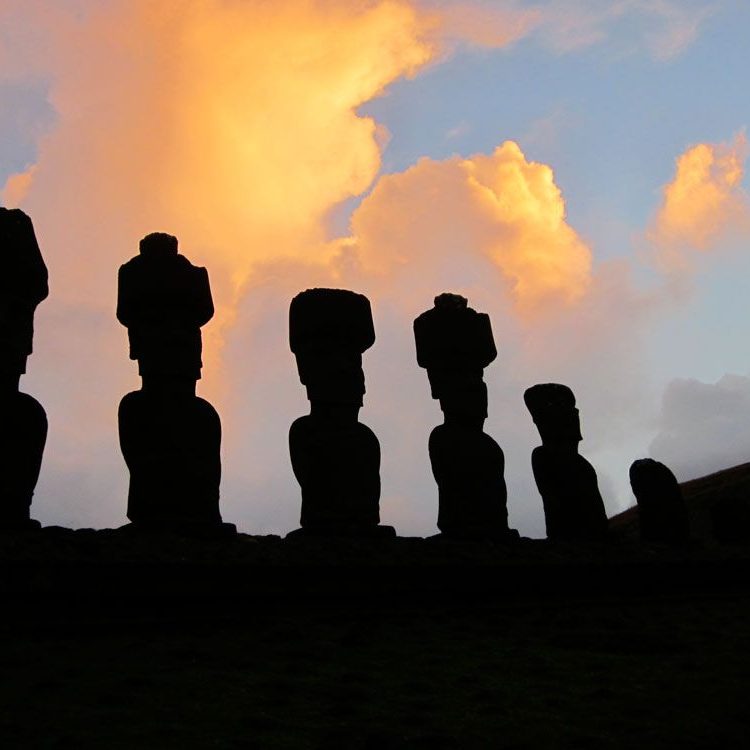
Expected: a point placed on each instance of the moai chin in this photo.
(454, 344)
(662, 516)
(335, 458)
(573, 506)
(170, 438)
(23, 285)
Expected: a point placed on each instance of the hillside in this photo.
(718, 507)
(115, 640)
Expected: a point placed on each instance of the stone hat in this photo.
(158, 244)
(547, 399)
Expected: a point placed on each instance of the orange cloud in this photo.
(704, 202)
(16, 187)
(500, 207)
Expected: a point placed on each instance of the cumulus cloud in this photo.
(16, 187)
(500, 207)
(703, 427)
(703, 204)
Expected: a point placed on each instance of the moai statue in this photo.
(170, 438)
(454, 344)
(573, 507)
(662, 515)
(335, 458)
(23, 285)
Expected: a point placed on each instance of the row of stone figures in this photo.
(170, 438)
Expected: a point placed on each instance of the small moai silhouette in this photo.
(23, 285)
(170, 438)
(335, 458)
(662, 515)
(454, 344)
(573, 506)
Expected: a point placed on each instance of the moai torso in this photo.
(454, 344)
(567, 482)
(170, 438)
(335, 458)
(23, 285)
(662, 516)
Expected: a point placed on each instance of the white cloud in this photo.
(704, 427)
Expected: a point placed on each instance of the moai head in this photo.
(553, 409)
(23, 285)
(662, 515)
(454, 344)
(164, 300)
(329, 329)
(650, 478)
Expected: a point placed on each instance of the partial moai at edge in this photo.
(335, 458)
(662, 516)
(23, 285)
(573, 506)
(454, 344)
(170, 438)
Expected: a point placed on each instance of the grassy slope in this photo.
(700, 496)
(584, 674)
(599, 671)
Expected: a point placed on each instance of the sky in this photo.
(576, 169)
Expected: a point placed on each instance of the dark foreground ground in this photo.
(114, 641)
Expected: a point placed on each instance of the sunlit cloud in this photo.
(500, 206)
(16, 187)
(664, 28)
(704, 203)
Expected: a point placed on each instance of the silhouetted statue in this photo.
(170, 437)
(661, 509)
(573, 507)
(335, 458)
(23, 285)
(454, 344)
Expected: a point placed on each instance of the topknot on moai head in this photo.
(329, 329)
(553, 409)
(451, 335)
(163, 300)
(330, 317)
(450, 301)
(454, 344)
(158, 245)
